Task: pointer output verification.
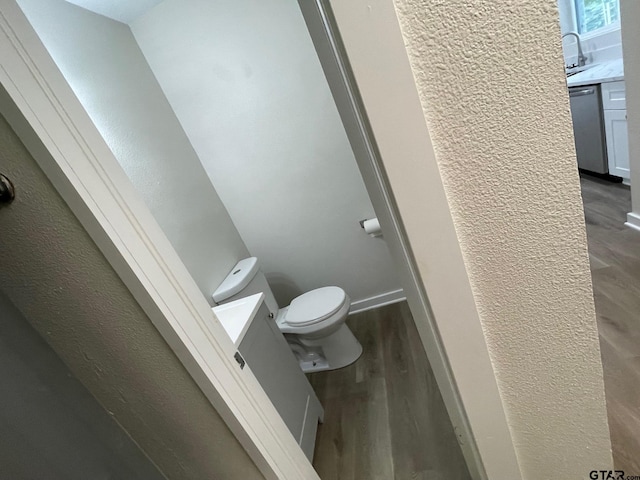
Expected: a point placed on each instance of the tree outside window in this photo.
(592, 15)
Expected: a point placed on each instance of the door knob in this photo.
(7, 192)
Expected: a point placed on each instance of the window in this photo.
(592, 15)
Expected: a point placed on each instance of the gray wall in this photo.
(630, 16)
(245, 81)
(57, 277)
(51, 425)
(104, 66)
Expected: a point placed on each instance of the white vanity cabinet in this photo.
(264, 349)
(615, 125)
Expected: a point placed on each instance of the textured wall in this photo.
(245, 82)
(51, 425)
(56, 276)
(108, 73)
(491, 80)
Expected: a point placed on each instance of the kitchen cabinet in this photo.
(615, 125)
(613, 96)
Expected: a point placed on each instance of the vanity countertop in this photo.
(611, 71)
(236, 317)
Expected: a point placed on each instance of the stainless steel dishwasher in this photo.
(588, 128)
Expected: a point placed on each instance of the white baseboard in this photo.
(377, 301)
(633, 220)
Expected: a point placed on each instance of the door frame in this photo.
(362, 52)
(386, 126)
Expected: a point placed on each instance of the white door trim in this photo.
(45, 113)
(371, 78)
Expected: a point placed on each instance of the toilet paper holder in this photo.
(371, 226)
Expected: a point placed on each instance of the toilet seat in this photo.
(315, 306)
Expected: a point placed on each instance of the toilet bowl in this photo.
(313, 324)
(315, 321)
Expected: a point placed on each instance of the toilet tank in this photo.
(243, 280)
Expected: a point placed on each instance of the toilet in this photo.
(313, 324)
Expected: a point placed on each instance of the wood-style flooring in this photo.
(614, 252)
(384, 415)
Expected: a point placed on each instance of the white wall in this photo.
(507, 158)
(566, 12)
(103, 64)
(598, 48)
(245, 82)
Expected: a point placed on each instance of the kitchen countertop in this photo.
(236, 317)
(611, 71)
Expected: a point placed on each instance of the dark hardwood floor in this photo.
(614, 252)
(384, 415)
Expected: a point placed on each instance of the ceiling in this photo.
(125, 11)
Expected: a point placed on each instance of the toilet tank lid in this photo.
(238, 278)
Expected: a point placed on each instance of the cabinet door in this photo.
(615, 124)
(614, 96)
(272, 362)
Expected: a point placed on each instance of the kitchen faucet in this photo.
(582, 60)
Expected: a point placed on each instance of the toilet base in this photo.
(337, 350)
(310, 366)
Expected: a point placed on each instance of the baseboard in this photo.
(377, 301)
(633, 220)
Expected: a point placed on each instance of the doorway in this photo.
(606, 196)
(199, 307)
(292, 192)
